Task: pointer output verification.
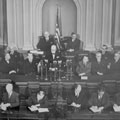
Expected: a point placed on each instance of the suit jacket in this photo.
(115, 67)
(74, 45)
(45, 45)
(81, 68)
(49, 56)
(7, 67)
(99, 67)
(15, 58)
(57, 57)
(32, 100)
(13, 100)
(104, 101)
(28, 68)
(81, 99)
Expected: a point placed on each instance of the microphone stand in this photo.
(55, 70)
(41, 70)
(59, 71)
(50, 72)
(67, 74)
(46, 73)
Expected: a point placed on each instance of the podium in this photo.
(69, 67)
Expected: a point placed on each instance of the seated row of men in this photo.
(77, 100)
(14, 63)
(72, 43)
(100, 66)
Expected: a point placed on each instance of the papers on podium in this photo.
(84, 77)
(40, 110)
(95, 109)
(116, 108)
(37, 52)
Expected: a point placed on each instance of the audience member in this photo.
(99, 66)
(45, 42)
(99, 101)
(37, 100)
(10, 99)
(28, 66)
(7, 65)
(106, 53)
(84, 67)
(114, 66)
(73, 43)
(77, 98)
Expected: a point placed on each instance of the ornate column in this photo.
(107, 22)
(11, 22)
(19, 23)
(117, 24)
(90, 26)
(27, 21)
(98, 23)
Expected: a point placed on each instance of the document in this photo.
(95, 109)
(40, 110)
(116, 108)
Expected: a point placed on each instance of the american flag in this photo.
(58, 30)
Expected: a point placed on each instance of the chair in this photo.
(33, 87)
(110, 87)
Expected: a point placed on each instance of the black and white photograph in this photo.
(59, 59)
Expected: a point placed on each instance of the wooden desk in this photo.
(25, 115)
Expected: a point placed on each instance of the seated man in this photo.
(45, 42)
(84, 67)
(99, 66)
(15, 56)
(37, 100)
(7, 66)
(10, 99)
(28, 66)
(99, 101)
(114, 67)
(73, 43)
(106, 53)
(77, 98)
(54, 56)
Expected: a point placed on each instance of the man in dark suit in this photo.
(99, 101)
(73, 43)
(15, 56)
(99, 65)
(7, 66)
(77, 98)
(53, 55)
(29, 65)
(114, 67)
(10, 98)
(38, 100)
(45, 42)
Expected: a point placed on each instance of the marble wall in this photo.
(97, 22)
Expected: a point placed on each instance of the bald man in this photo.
(10, 98)
(45, 42)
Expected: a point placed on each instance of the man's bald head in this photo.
(9, 88)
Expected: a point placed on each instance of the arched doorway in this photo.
(68, 11)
